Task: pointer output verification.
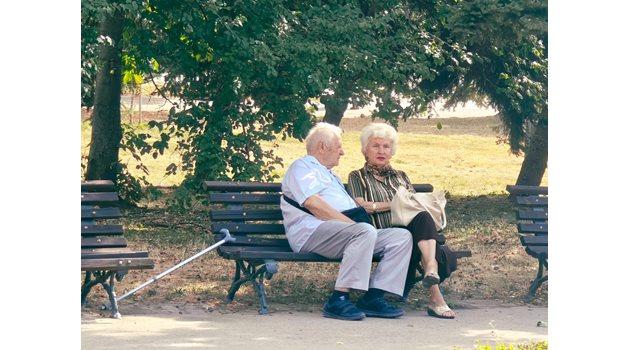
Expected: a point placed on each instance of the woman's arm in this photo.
(356, 188)
(373, 207)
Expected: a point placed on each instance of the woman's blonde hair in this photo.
(321, 132)
(379, 130)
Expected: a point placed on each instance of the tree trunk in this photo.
(335, 108)
(535, 162)
(106, 128)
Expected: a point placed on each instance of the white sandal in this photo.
(440, 311)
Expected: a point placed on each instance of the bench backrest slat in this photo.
(103, 242)
(536, 215)
(97, 186)
(101, 213)
(534, 240)
(255, 229)
(532, 201)
(242, 186)
(536, 228)
(240, 198)
(245, 186)
(96, 230)
(520, 190)
(246, 215)
(99, 198)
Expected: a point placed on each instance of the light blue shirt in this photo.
(304, 178)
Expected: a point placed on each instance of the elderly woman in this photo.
(374, 186)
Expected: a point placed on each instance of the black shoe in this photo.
(343, 309)
(378, 307)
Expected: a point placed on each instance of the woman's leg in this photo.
(437, 299)
(422, 228)
(424, 233)
(427, 255)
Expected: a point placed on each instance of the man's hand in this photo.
(323, 211)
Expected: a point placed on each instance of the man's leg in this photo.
(394, 245)
(354, 244)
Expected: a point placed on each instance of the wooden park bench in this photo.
(105, 257)
(250, 211)
(532, 216)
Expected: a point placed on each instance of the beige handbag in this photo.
(406, 205)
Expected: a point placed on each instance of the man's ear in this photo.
(321, 146)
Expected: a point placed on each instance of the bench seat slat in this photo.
(103, 242)
(114, 264)
(463, 253)
(87, 251)
(536, 251)
(112, 253)
(273, 253)
(101, 213)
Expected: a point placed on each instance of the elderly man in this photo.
(312, 205)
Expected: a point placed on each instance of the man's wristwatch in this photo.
(373, 207)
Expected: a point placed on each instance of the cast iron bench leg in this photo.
(88, 283)
(256, 276)
(109, 287)
(237, 281)
(266, 271)
(538, 281)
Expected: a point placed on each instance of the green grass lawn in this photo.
(459, 160)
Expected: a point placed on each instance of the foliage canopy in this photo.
(240, 72)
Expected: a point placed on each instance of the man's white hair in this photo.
(322, 132)
(379, 130)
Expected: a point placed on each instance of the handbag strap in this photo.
(296, 204)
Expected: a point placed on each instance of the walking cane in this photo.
(226, 238)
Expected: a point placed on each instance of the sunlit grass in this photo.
(465, 165)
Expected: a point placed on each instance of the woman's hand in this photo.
(373, 207)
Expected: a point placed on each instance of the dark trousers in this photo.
(422, 227)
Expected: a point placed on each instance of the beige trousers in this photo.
(355, 244)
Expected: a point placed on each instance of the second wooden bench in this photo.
(532, 219)
(105, 257)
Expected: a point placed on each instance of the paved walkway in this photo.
(477, 323)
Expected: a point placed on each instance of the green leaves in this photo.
(241, 72)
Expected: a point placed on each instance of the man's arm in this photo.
(323, 211)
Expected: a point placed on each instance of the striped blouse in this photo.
(363, 184)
